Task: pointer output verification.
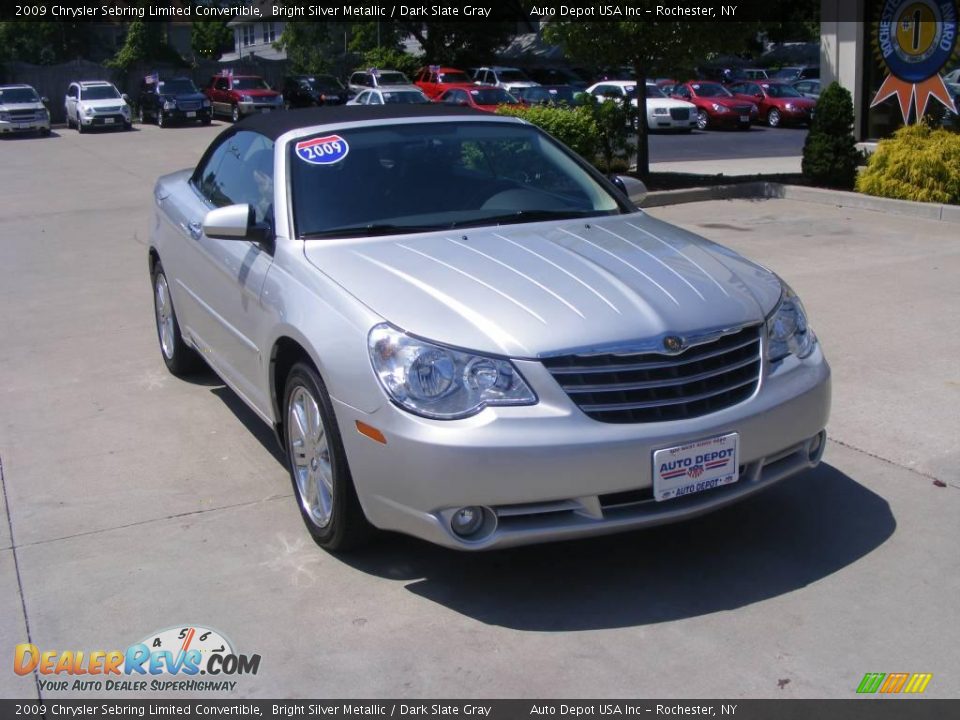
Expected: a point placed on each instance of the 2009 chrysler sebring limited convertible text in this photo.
(461, 331)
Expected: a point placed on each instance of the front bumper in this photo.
(666, 122)
(548, 472)
(24, 125)
(111, 120)
(248, 108)
(796, 116)
(192, 115)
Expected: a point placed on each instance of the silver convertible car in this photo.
(461, 331)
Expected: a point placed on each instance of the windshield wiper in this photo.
(525, 216)
(371, 230)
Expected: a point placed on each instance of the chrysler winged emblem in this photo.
(672, 344)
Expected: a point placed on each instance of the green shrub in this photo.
(613, 121)
(830, 155)
(918, 163)
(574, 127)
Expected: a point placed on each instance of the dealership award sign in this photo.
(915, 39)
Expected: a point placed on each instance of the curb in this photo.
(837, 198)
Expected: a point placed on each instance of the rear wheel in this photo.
(318, 464)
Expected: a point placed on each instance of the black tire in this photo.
(44, 132)
(69, 121)
(703, 120)
(774, 118)
(179, 357)
(205, 120)
(79, 125)
(161, 118)
(142, 116)
(346, 527)
(235, 113)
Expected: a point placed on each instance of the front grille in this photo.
(24, 114)
(680, 113)
(652, 387)
(108, 110)
(742, 109)
(189, 105)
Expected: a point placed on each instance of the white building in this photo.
(256, 36)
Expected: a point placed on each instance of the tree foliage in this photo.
(44, 43)
(209, 38)
(145, 42)
(315, 47)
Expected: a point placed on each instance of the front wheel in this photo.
(318, 464)
(141, 116)
(161, 118)
(235, 113)
(773, 118)
(703, 120)
(79, 125)
(179, 357)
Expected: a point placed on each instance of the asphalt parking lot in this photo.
(133, 501)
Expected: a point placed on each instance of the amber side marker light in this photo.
(371, 432)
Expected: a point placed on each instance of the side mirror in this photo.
(45, 100)
(125, 97)
(631, 187)
(235, 222)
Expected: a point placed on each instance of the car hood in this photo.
(531, 289)
(256, 93)
(185, 97)
(108, 102)
(14, 107)
(665, 103)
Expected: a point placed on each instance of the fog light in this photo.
(466, 521)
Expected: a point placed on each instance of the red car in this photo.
(434, 80)
(239, 95)
(778, 102)
(716, 106)
(481, 97)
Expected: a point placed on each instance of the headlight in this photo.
(86, 110)
(788, 106)
(754, 109)
(278, 100)
(169, 104)
(440, 382)
(661, 111)
(787, 330)
(4, 117)
(246, 98)
(206, 103)
(719, 108)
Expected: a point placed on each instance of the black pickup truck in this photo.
(172, 100)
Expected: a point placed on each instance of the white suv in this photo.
(509, 78)
(96, 103)
(22, 110)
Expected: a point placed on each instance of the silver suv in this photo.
(96, 103)
(23, 110)
(506, 77)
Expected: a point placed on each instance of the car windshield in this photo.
(787, 72)
(549, 95)
(512, 76)
(365, 181)
(453, 77)
(492, 96)
(18, 95)
(710, 90)
(403, 97)
(325, 83)
(392, 78)
(781, 91)
(100, 92)
(180, 86)
(654, 92)
(250, 83)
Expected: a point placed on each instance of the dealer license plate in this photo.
(191, 113)
(744, 118)
(695, 467)
(265, 109)
(108, 121)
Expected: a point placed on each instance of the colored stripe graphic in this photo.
(918, 682)
(894, 683)
(870, 683)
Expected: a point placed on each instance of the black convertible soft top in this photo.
(275, 124)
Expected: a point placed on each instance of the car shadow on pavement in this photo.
(257, 427)
(776, 542)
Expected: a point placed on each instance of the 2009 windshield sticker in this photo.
(323, 151)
